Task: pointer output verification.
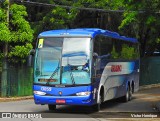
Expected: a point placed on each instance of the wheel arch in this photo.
(128, 84)
(132, 85)
(100, 92)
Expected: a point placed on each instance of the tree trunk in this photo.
(4, 86)
(4, 72)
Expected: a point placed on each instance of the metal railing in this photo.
(18, 83)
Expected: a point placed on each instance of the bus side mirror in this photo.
(30, 58)
(32, 52)
(95, 59)
(95, 56)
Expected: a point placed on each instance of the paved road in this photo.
(143, 101)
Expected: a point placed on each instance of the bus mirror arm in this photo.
(32, 52)
(30, 58)
(95, 55)
(95, 60)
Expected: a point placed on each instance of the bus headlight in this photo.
(39, 93)
(83, 93)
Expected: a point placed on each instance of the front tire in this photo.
(51, 107)
(97, 107)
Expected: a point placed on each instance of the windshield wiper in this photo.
(71, 74)
(54, 72)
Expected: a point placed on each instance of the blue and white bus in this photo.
(85, 66)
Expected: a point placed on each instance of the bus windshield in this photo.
(62, 61)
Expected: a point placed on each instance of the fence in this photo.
(19, 81)
(150, 70)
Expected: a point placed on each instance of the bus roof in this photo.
(88, 32)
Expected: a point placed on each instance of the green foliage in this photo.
(114, 54)
(151, 19)
(128, 52)
(4, 30)
(61, 18)
(5, 35)
(20, 51)
(158, 41)
(2, 15)
(130, 17)
(54, 17)
(21, 29)
(141, 20)
(17, 32)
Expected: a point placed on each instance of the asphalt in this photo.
(147, 87)
(158, 106)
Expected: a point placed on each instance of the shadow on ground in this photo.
(86, 109)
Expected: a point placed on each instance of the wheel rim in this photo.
(127, 95)
(100, 101)
(130, 93)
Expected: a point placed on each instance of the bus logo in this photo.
(116, 68)
(60, 93)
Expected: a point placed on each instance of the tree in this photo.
(16, 32)
(15, 38)
(141, 19)
(22, 34)
(45, 18)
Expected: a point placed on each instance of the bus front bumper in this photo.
(63, 100)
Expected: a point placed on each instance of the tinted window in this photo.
(103, 45)
(115, 48)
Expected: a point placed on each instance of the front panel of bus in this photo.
(62, 71)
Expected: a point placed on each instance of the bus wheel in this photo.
(97, 107)
(126, 98)
(52, 107)
(130, 93)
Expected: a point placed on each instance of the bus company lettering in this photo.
(116, 68)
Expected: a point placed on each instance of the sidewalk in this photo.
(149, 86)
(157, 105)
(7, 99)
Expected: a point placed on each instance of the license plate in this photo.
(60, 101)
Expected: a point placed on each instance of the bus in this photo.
(85, 66)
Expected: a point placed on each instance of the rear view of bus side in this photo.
(84, 67)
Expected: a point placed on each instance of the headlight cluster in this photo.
(78, 94)
(83, 93)
(39, 93)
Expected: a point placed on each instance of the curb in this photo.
(149, 86)
(7, 99)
